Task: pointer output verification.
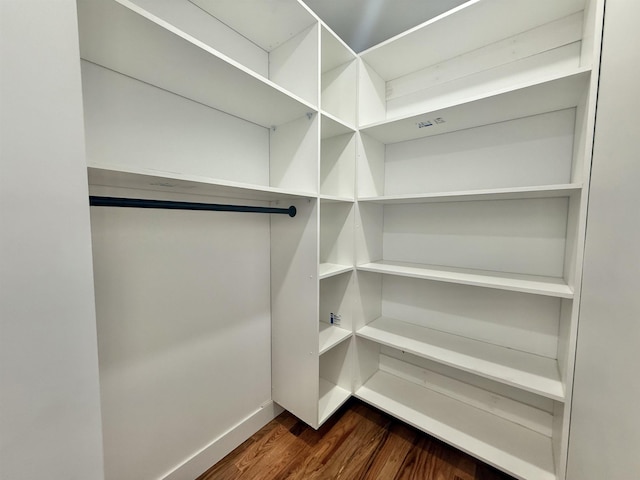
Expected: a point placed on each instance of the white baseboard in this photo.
(195, 466)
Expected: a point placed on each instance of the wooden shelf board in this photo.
(332, 126)
(474, 23)
(557, 92)
(330, 336)
(121, 36)
(526, 371)
(326, 270)
(550, 286)
(517, 450)
(331, 398)
(544, 191)
(157, 183)
(267, 24)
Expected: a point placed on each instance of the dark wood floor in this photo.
(359, 442)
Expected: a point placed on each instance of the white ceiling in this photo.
(364, 23)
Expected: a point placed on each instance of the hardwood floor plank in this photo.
(358, 443)
(394, 450)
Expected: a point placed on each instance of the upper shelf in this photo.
(532, 98)
(121, 36)
(539, 285)
(474, 24)
(267, 24)
(545, 191)
(158, 183)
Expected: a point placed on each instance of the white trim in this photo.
(211, 454)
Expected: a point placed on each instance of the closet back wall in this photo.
(183, 309)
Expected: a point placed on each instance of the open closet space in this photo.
(432, 267)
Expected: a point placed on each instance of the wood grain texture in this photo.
(358, 443)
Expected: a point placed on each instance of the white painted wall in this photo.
(184, 327)
(605, 422)
(49, 394)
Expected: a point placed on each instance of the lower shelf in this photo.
(523, 370)
(331, 398)
(515, 449)
(330, 336)
(326, 270)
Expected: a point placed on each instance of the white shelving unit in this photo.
(514, 448)
(473, 159)
(441, 195)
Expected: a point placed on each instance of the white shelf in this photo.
(474, 24)
(330, 336)
(164, 182)
(331, 398)
(539, 285)
(326, 270)
(523, 370)
(519, 451)
(267, 24)
(540, 96)
(546, 191)
(332, 126)
(119, 35)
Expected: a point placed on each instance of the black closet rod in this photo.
(170, 205)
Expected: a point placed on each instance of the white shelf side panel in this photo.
(515, 449)
(535, 97)
(475, 24)
(551, 286)
(523, 370)
(519, 236)
(526, 152)
(124, 37)
(294, 311)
